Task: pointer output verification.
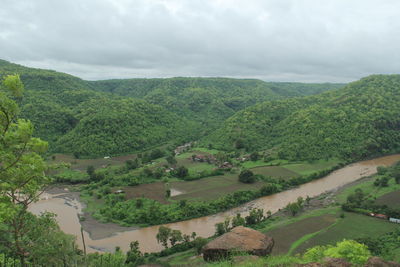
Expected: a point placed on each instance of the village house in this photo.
(225, 165)
(380, 216)
(203, 158)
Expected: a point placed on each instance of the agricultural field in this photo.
(352, 226)
(391, 199)
(275, 172)
(211, 187)
(82, 164)
(154, 191)
(286, 236)
(366, 184)
(185, 159)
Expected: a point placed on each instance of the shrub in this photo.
(247, 177)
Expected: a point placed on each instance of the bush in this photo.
(349, 250)
(247, 177)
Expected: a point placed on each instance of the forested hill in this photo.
(57, 104)
(360, 120)
(208, 100)
(76, 119)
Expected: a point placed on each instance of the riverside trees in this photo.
(22, 177)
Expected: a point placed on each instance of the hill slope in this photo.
(76, 119)
(359, 120)
(57, 104)
(207, 101)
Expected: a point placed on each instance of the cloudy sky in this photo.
(278, 40)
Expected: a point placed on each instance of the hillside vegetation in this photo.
(101, 118)
(357, 121)
(207, 101)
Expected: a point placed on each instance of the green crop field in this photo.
(350, 227)
(309, 168)
(285, 236)
(156, 191)
(367, 186)
(211, 188)
(391, 199)
(275, 172)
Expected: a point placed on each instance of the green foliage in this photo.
(357, 121)
(383, 246)
(116, 259)
(255, 216)
(181, 172)
(70, 112)
(71, 176)
(247, 177)
(349, 250)
(199, 244)
(238, 220)
(112, 126)
(134, 257)
(163, 235)
(43, 242)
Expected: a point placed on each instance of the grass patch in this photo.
(212, 187)
(156, 191)
(391, 199)
(275, 172)
(252, 164)
(367, 185)
(206, 150)
(352, 226)
(309, 168)
(295, 233)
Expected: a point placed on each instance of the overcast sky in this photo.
(277, 40)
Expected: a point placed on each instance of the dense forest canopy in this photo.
(94, 118)
(357, 121)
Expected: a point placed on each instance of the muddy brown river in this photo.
(67, 210)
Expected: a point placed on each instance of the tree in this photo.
(168, 193)
(134, 256)
(132, 164)
(255, 216)
(43, 241)
(219, 229)
(171, 160)
(293, 208)
(22, 168)
(254, 156)
(163, 235)
(90, 170)
(247, 176)
(268, 189)
(238, 220)
(181, 172)
(222, 228)
(156, 153)
(175, 236)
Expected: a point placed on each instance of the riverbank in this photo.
(204, 226)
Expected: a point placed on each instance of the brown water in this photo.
(67, 210)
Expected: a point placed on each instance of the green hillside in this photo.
(58, 104)
(115, 126)
(359, 120)
(207, 101)
(76, 119)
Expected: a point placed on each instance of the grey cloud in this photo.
(308, 40)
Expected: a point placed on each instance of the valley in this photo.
(129, 157)
(204, 226)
